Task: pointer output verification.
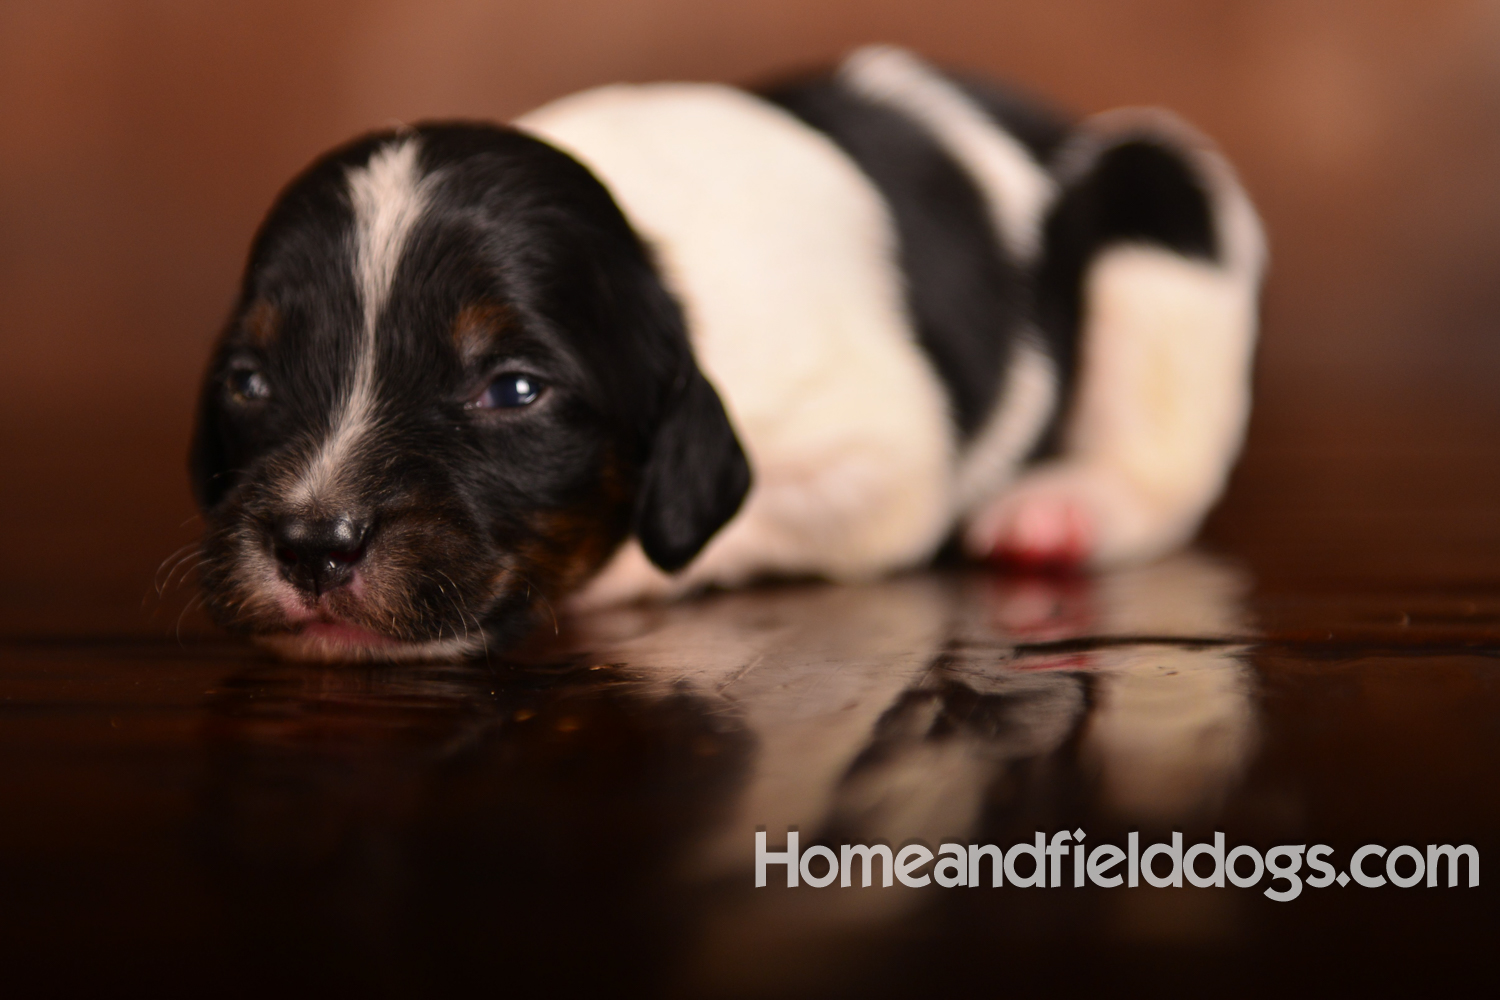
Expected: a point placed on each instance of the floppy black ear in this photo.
(694, 480)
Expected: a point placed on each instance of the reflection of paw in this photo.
(1042, 608)
(1036, 529)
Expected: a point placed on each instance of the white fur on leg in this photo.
(1164, 384)
(1162, 402)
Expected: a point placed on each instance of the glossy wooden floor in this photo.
(1326, 670)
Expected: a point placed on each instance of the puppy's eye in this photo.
(508, 392)
(247, 385)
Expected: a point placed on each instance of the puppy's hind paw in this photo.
(1039, 531)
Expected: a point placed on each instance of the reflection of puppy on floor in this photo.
(971, 708)
(669, 336)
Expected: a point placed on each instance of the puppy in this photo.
(660, 337)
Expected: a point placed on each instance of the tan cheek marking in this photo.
(570, 545)
(262, 323)
(477, 327)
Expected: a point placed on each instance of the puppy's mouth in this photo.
(345, 633)
(328, 638)
(331, 616)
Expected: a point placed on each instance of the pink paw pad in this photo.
(1045, 535)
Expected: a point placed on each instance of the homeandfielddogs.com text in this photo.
(1065, 859)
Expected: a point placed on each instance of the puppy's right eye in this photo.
(510, 391)
(247, 385)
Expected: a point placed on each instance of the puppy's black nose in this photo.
(319, 555)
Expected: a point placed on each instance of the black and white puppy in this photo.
(660, 337)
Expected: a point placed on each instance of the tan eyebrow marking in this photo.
(262, 323)
(478, 326)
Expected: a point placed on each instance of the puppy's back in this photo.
(783, 255)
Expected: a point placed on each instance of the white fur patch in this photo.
(388, 196)
(782, 254)
(1015, 186)
(1165, 387)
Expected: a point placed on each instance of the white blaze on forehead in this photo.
(389, 195)
(1014, 185)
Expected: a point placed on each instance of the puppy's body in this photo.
(925, 307)
(864, 293)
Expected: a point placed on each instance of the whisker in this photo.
(187, 566)
(181, 552)
(550, 611)
(484, 637)
(462, 620)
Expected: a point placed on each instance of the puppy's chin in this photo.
(325, 642)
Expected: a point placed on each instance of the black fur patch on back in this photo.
(966, 296)
(1139, 191)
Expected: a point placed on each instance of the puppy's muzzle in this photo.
(319, 555)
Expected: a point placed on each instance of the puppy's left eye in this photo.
(508, 392)
(247, 385)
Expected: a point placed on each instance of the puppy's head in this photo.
(453, 384)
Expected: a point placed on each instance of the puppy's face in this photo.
(452, 386)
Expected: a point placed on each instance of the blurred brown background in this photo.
(142, 141)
